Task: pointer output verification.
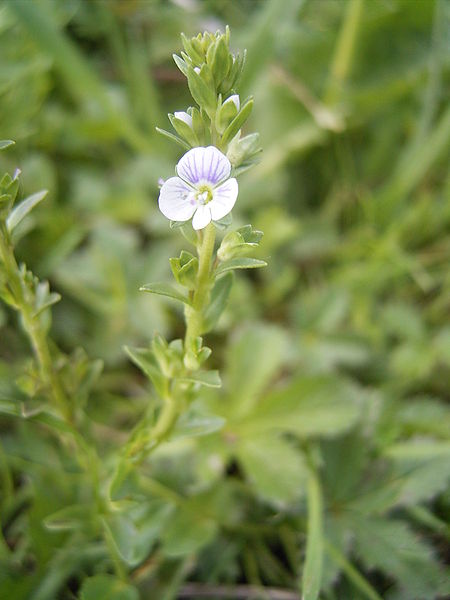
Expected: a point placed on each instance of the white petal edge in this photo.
(224, 198)
(204, 165)
(202, 217)
(174, 202)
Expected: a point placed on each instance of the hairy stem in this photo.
(32, 325)
(194, 323)
(166, 420)
(194, 313)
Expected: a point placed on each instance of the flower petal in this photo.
(224, 198)
(202, 217)
(175, 200)
(204, 165)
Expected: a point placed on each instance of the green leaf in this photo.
(146, 361)
(220, 60)
(15, 408)
(44, 298)
(250, 367)
(195, 423)
(275, 468)
(185, 269)
(165, 289)
(125, 482)
(202, 93)
(187, 532)
(390, 545)
(107, 587)
(51, 421)
(180, 64)
(240, 263)
(206, 378)
(22, 209)
(10, 407)
(184, 130)
(422, 469)
(321, 405)
(132, 543)
(123, 534)
(193, 48)
(173, 138)
(419, 450)
(5, 205)
(187, 231)
(312, 572)
(69, 518)
(225, 115)
(218, 301)
(6, 144)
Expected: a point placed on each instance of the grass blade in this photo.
(312, 573)
(80, 78)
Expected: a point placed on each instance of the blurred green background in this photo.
(342, 343)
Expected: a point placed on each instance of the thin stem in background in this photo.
(344, 52)
(237, 592)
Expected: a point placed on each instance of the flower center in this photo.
(204, 194)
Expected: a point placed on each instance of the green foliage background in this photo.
(336, 357)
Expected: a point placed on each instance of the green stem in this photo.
(32, 325)
(312, 571)
(166, 420)
(119, 567)
(194, 324)
(159, 432)
(194, 313)
(38, 338)
(24, 303)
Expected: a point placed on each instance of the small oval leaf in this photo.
(22, 209)
(240, 263)
(165, 289)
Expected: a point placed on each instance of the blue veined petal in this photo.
(204, 165)
(224, 198)
(176, 200)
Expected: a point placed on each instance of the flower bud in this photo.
(184, 116)
(213, 52)
(196, 354)
(185, 269)
(239, 242)
(182, 123)
(242, 151)
(227, 112)
(234, 127)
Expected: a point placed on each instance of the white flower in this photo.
(183, 116)
(203, 188)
